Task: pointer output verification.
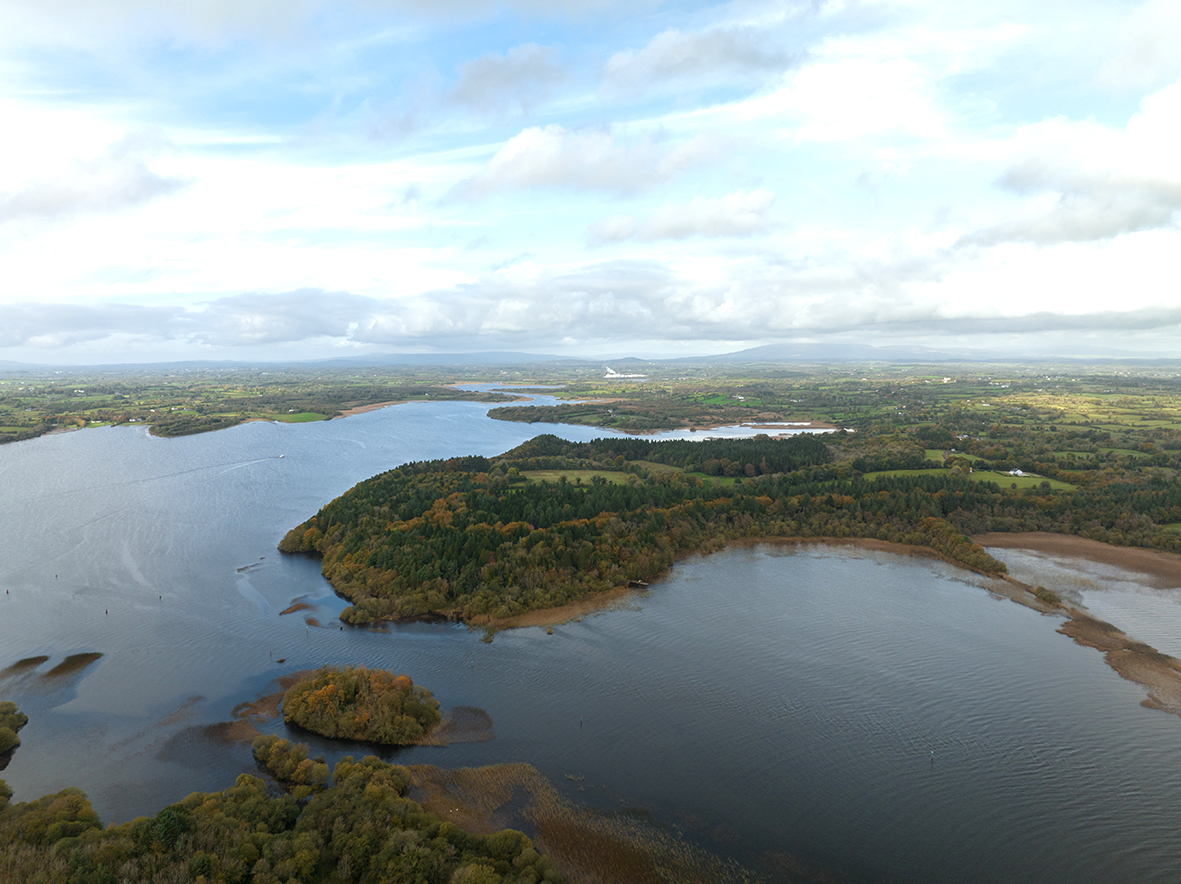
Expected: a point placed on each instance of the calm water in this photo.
(877, 717)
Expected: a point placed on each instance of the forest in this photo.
(484, 539)
(355, 703)
(471, 539)
(360, 828)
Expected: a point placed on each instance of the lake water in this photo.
(868, 715)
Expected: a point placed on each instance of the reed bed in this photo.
(586, 845)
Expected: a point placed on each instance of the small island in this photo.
(355, 703)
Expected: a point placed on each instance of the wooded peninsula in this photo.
(484, 539)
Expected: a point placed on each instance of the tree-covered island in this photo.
(355, 703)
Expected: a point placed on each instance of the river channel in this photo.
(860, 715)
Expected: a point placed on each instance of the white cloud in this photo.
(250, 319)
(219, 22)
(1086, 182)
(615, 228)
(584, 159)
(269, 218)
(1147, 42)
(737, 214)
(52, 326)
(740, 51)
(525, 75)
(117, 179)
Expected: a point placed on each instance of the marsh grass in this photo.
(463, 724)
(587, 846)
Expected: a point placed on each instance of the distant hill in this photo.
(484, 358)
(784, 353)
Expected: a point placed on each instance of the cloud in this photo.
(61, 325)
(1087, 210)
(737, 214)
(233, 321)
(524, 302)
(524, 76)
(1147, 44)
(217, 22)
(119, 178)
(616, 228)
(583, 159)
(1085, 182)
(675, 55)
(248, 319)
(608, 303)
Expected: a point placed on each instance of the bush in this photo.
(1047, 595)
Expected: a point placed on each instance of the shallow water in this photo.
(870, 715)
(1142, 605)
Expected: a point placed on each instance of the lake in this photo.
(853, 714)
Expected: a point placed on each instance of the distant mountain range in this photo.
(788, 353)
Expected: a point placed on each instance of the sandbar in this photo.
(362, 409)
(1163, 567)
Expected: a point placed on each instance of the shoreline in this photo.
(1157, 673)
(364, 409)
(1133, 660)
(1163, 567)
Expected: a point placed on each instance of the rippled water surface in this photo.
(865, 714)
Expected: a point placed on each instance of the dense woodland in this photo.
(463, 539)
(358, 829)
(355, 703)
(471, 539)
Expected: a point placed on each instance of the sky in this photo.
(265, 180)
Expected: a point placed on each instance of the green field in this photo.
(302, 418)
(1002, 479)
(575, 476)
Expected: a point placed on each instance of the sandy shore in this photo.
(1164, 568)
(564, 613)
(361, 409)
(1159, 674)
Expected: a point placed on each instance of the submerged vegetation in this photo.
(355, 703)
